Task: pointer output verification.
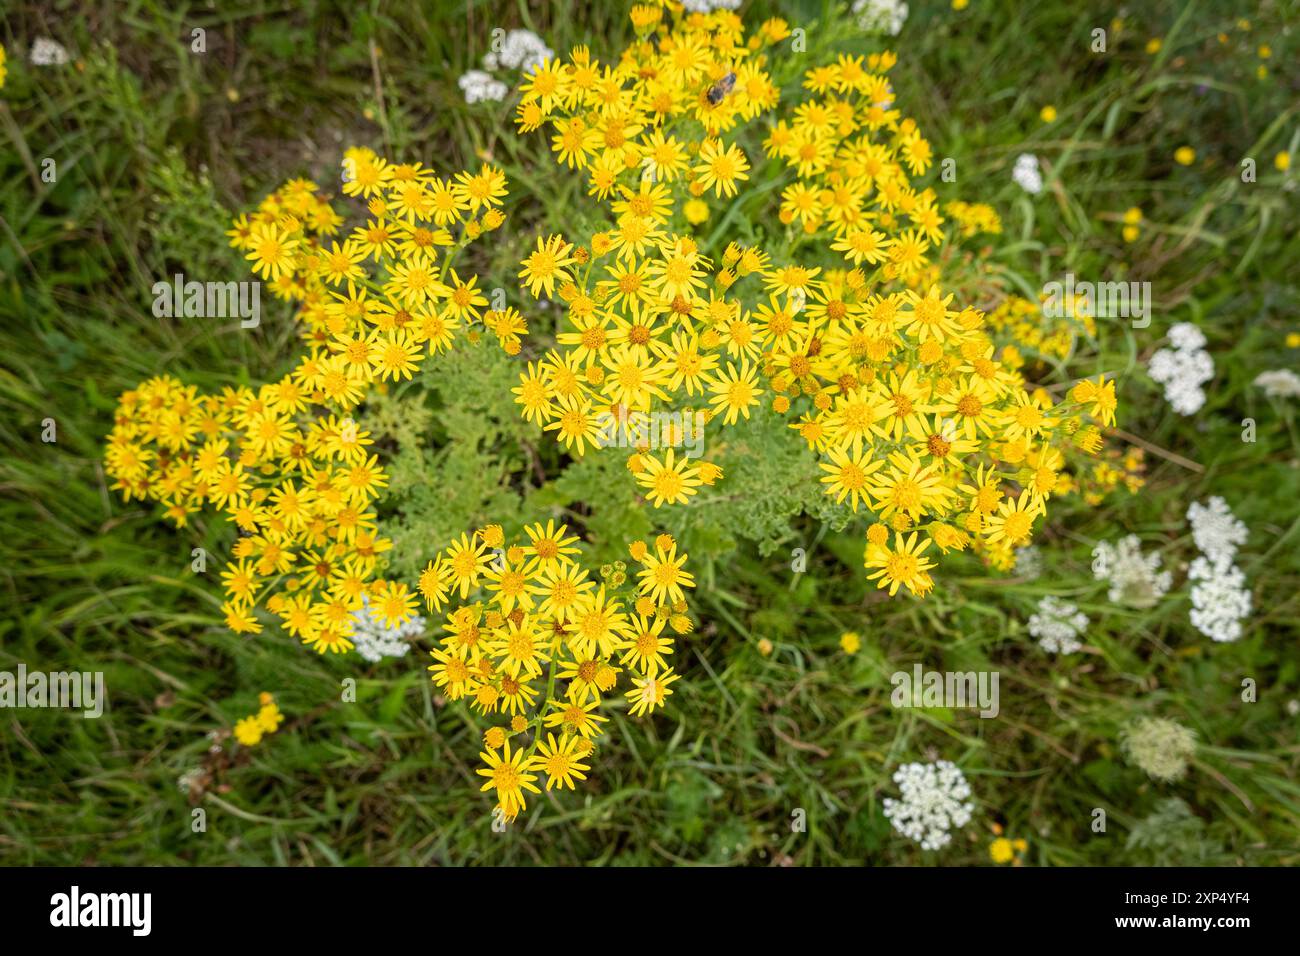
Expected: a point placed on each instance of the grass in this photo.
(156, 148)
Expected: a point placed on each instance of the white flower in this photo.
(881, 16)
(1220, 599)
(1029, 562)
(1027, 175)
(1058, 626)
(708, 6)
(520, 50)
(1160, 747)
(1217, 532)
(1135, 579)
(374, 642)
(1279, 383)
(1186, 336)
(1183, 369)
(48, 53)
(478, 86)
(935, 799)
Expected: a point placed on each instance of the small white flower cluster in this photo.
(1058, 625)
(708, 6)
(1218, 533)
(1183, 369)
(478, 86)
(1279, 383)
(189, 780)
(1029, 562)
(1220, 599)
(48, 53)
(1163, 748)
(374, 642)
(935, 799)
(1135, 578)
(881, 16)
(521, 50)
(1027, 175)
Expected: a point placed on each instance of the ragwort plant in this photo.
(915, 406)
(839, 319)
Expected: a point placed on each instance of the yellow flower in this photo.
(721, 168)
(249, 731)
(1184, 155)
(850, 642)
(1282, 161)
(559, 761)
(902, 565)
(269, 718)
(1000, 851)
(650, 692)
(546, 265)
(508, 776)
(669, 480)
(1014, 520)
(1048, 114)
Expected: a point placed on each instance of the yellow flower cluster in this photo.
(284, 461)
(900, 392)
(972, 218)
(533, 637)
(1018, 325)
(376, 303)
(1115, 468)
(250, 730)
(642, 332)
(1132, 224)
(1005, 850)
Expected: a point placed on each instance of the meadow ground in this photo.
(157, 149)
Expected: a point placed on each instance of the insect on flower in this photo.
(718, 91)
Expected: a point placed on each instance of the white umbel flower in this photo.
(1220, 598)
(881, 16)
(935, 798)
(48, 53)
(1161, 747)
(374, 642)
(1279, 383)
(1217, 532)
(521, 50)
(1029, 562)
(479, 86)
(1135, 578)
(1027, 175)
(1058, 626)
(1183, 369)
(708, 6)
